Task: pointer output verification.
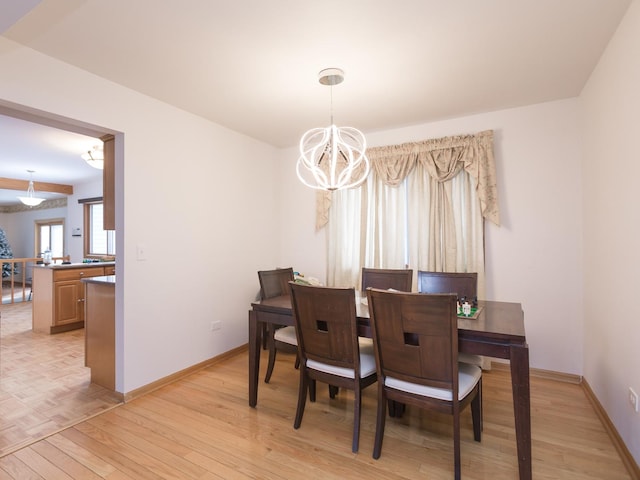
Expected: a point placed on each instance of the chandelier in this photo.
(94, 157)
(30, 200)
(332, 158)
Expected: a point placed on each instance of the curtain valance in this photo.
(442, 158)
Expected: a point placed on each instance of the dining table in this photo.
(496, 330)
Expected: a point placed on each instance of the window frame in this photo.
(38, 224)
(87, 206)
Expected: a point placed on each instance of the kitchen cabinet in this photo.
(99, 330)
(59, 295)
(108, 183)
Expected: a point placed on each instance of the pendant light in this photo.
(30, 199)
(95, 157)
(332, 158)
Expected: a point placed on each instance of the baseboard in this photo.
(627, 459)
(138, 392)
(539, 373)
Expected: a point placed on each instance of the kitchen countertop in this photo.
(104, 280)
(60, 266)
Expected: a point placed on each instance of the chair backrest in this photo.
(325, 321)
(415, 337)
(462, 284)
(385, 278)
(274, 283)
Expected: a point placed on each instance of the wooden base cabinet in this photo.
(100, 332)
(59, 296)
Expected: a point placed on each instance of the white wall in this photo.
(611, 102)
(201, 199)
(534, 257)
(19, 228)
(75, 217)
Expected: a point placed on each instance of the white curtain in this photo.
(422, 207)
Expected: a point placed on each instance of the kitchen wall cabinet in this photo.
(108, 183)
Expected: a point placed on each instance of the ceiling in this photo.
(252, 65)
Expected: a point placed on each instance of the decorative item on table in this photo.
(300, 278)
(466, 309)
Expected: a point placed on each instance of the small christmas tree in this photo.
(5, 252)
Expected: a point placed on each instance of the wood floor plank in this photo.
(12, 467)
(64, 462)
(41, 465)
(44, 384)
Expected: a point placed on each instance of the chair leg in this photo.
(380, 419)
(302, 398)
(456, 444)
(265, 329)
(271, 345)
(357, 404)
(396, 409)
(333, 391)
(481, 405)
(392, 408)
(476, 414)
(312, 390)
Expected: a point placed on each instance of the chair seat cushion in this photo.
(468, 377)
(470, 358)
(367, 365)
(286, 335)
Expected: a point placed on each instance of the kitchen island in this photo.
(59, 294)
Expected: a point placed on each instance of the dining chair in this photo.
(274, 283)
(328, 347)
(463, 284)
(415, 341)
(385, 278)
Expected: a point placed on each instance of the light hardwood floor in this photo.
(201, 427)
(44, 385)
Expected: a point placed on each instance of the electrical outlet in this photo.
(633, 399)
(217, 325)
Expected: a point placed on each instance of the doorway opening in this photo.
(57, 389)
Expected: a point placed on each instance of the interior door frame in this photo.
(60, 122)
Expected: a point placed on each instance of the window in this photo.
(418, 224)
(98, 241)
(49, 236)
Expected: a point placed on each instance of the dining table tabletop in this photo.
(496, 330)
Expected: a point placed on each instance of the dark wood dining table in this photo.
(498, 331)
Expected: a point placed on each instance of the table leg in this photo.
(522, 407)
(255, 335)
